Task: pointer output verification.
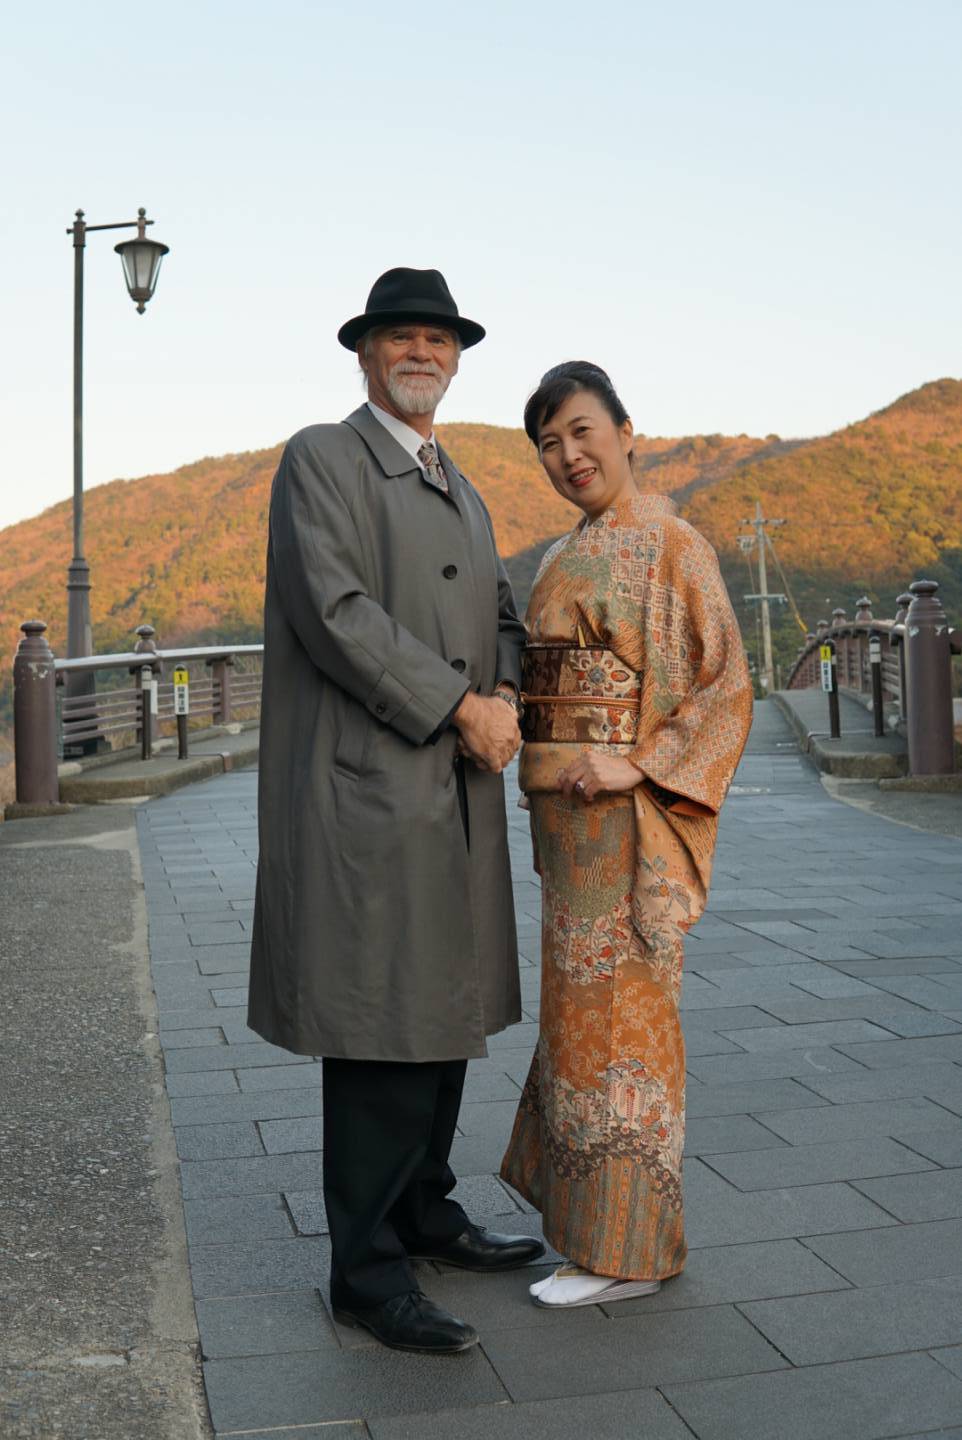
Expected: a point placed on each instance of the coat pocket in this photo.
(351, 747)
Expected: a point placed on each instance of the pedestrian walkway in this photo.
(823, 1015)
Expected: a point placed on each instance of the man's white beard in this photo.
(417, 394)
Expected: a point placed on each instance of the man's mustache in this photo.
(406, 368)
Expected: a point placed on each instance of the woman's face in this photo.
(586, 454)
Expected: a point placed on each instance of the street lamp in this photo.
(141, 261)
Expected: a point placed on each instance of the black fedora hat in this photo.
(409, 297)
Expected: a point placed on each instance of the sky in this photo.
(748, 213)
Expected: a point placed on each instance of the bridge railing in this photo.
(67, 708)
(915, 652)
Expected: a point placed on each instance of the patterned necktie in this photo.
(434, 471)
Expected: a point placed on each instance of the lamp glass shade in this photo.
(141, 261)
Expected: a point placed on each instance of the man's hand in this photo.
(489, 730)
(596, 773)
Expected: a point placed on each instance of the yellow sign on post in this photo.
(181, 691)
(825, 657)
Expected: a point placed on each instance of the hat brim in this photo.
(352, 331)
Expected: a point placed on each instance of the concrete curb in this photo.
(841, 757)
(926, 784)
(98, 786)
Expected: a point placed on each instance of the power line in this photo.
(791, 598)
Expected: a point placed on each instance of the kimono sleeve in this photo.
(701, 686)
(317, 556)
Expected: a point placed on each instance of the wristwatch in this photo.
(510, 697)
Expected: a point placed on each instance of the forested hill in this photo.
(869, 508)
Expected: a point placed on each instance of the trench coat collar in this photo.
(392, 457)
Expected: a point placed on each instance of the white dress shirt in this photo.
(409, 439)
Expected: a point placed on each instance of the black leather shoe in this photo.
(412, 1322)
(477, 1249)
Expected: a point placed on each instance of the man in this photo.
(384, 935)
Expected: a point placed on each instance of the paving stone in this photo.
(516, 1037)
(264, 1324)
(200, 1015)
(937, 1080)
(808, 1009)
(249, 1267)
(195, 913)
(934, 1195)
(720, 1275)
(748, 1098)
(816, 1164)
(901, 965)
(632, 1413)
(312, 1386)
(484, 1081)
(281, 1077)
(232, 996)
(734, 1069)
(942, 1146)
(803, 1037)
(230, 932)
(284, 1137)
(940, 1434)
(191, 1039)
(477, 1154)
(718, 1214)
(857, 1400)
(202, 1082)
(825, 981)
(951, 1358)
(250, 1175)
(490, 1117)
(247, 1105)
(230, 1219)
(854, 1324)
(631, 1353)
(731, 1017)
(902, 1052)
(900, 1119)
(222, 959)
(897, 1255)
(719, 1134)
(232, 1057)
(213, 1142)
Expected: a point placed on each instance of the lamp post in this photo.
(141, 261)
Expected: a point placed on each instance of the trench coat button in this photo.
(458, 665)
(449, 572)
(380, 708)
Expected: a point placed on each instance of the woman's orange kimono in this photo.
(597, 1142)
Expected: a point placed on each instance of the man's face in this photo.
(409, 367)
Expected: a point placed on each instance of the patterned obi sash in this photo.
(579, 694)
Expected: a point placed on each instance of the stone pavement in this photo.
(823, 1296)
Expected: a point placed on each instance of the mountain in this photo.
(868, 508)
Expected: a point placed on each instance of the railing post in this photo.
(35, 718)
(928, 669)
(902, 609)
(875, 665)
(146, 684)
(220, 672)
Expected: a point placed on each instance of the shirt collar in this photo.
(403, 434)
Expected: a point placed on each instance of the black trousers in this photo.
(388, 1129)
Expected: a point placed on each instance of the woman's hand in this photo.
(597, 773)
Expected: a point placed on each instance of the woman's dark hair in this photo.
(560, 383)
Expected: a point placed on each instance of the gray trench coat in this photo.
(382, 930)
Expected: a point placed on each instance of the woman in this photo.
(638, 705)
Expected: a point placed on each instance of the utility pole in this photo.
(758, 523)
